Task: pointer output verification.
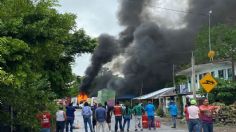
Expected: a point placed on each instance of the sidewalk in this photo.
(165, 127)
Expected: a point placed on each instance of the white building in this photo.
(222, 69)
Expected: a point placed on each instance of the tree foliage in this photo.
(37, 47)
(223, 42)
(225, 91)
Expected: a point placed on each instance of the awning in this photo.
(169, 93)
(154, 95)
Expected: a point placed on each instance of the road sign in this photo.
(208, 82)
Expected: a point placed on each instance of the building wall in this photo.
(224, 72)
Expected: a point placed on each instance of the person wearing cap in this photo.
(194, 121)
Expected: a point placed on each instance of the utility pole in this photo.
(193, 76)
(173, 74)
(141, 90)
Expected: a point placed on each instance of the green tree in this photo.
(51, 36)
(37, 47)
(223, 42)
(225, 91)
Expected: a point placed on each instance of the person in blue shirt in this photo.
(87, 113)
(70, 117)
(150, 110)
(173, 112)
(100, 114)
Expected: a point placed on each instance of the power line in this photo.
(179, 11)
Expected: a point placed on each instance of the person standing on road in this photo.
(186, 110)
(150, 109)
(100, 114)
(60, 119)
(127, 116)
(109, 114)
(87, 113)
(118, 116)
(194, 121)
(70, 117)
(206, 111)
(44, 119)
(173, 112)
(138, 111)
(94, 121)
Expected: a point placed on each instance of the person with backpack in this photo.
(127, 116)
(173, 112)
(118, 116)
(70, 117)
(87, 113)
(138, 111)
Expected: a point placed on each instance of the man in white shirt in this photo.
(194, 121)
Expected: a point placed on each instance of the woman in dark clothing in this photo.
(109, 114)
(127, 116)
(94, 119)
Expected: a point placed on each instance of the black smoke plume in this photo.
(105, 51)
(150, 49)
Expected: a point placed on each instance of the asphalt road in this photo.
(164, 128)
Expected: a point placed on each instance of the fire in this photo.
(82, 97)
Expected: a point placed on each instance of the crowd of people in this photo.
(200, 118)
(101, 115)
(63, 119)
(96, 117)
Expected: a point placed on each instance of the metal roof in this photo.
(154, 95)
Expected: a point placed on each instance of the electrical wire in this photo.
(179, 11)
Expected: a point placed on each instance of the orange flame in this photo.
(82, 97)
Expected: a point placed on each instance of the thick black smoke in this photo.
(151, 50)
(104, 53)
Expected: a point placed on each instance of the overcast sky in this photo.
(100, 16)
(95, 17)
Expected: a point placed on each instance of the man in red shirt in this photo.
(206, 111)
(118, 116)
(44, 119)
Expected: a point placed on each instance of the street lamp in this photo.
(209, 14)
(211, 53)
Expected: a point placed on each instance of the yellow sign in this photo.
(208, 82)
